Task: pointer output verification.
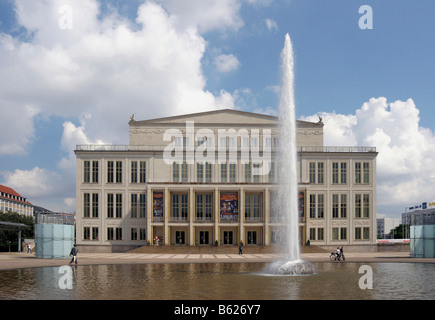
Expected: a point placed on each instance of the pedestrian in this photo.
(240, 249)
(73, 253)
(342, 254)
(338, 254)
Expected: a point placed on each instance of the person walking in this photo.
(342, 254)
(73, 253)
(241, 248)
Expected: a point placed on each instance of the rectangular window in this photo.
(319, 233)
(335, 205)
(118, 171)
(95, 205)
(312, 233)
(232, 172)
(366, 205)
(366, 233)
(335, 173)
(110, 171)
(334, 233)
(142, 172)
(118, 233)
(312, 206)
(253, 207)
(110, 234)
(133, 234)
(199, 172)
(86, 233)
(343, 233)
(94, 233)
(142, 205)
(343, 172)
(175, 172)
(179, 207)
(134, 172)
(252, 237)
(248, 172)
(204, 205)
(343, 206)
(366, 173)
(142, 234)
(358, 172)
(133, 210)
(86, 171)
(110, 205)
(184, 172)
(224, 172)
(316, 172)
(86, 205)
(208, 172)
(95, 171)
(320, 206)
(119, 205)
(357, 233)
(357, 206)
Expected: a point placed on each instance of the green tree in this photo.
(9, 235)
(400, 232)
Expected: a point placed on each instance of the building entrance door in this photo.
(228, 237)
(204, 237)
(180, 237)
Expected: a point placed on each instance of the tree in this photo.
(9, 235)
(400, 232)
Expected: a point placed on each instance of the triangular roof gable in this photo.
(226, 116)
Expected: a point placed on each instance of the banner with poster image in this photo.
(158, 204)
(229, 206)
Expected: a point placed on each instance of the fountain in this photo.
(288, 191)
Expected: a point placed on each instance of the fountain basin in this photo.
(294, 267)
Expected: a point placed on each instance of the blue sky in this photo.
(61, 86)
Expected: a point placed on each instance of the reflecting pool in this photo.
(219, 281)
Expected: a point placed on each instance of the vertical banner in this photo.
(229, 206)
(158, 204)
(301, 204)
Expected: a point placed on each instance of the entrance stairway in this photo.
(220, 249)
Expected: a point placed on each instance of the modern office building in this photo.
(385, 225)
(185, 181)
(12, 201)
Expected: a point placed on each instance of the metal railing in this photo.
(125, 148)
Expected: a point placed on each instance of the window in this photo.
(176, 174)
(180, 237)
(208, 172)
(199, 172)
(90, 173)
(118, 233)
(223, 172)
(362, 233)
(138, 205)
(142, 234)
(316, 172)
(362, 173)
(317, 206)
(339, 233)
(90, 233)
(339, 206)
(133, 234)
(204, 237)
(86, 171)
(251, 237)
(228, 237)
(134, 172)
(204, 205)
(114, 205)
(95, 205)
(232, 172)
(252, 207)
(248, 172)
(86, 205)
(114, 171)
(179, 207)
(339, 172)
(362, 205)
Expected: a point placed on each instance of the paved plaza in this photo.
(24, 260)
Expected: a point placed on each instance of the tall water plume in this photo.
(288, 190)
(288, 184)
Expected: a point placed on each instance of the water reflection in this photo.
(220, 281)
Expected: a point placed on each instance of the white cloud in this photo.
(100, 72)
(271, 24)
(226, 62)
(406, 150)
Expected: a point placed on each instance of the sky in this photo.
(73, 72)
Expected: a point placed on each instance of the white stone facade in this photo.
(129, 195)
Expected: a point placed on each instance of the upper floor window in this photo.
(362, 173)
(90, 171)
(138, 171)
(316, 172)
(114, 171)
